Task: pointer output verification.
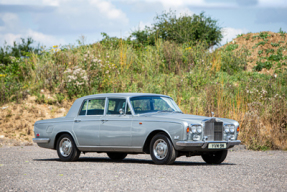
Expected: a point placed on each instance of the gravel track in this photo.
(30, 168)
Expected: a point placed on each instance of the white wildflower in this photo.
(85, 78)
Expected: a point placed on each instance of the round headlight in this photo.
(226, 130)
(193, 129)
(199, 129)
(232, 129)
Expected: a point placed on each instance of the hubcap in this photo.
(160, 149)
(65, 147)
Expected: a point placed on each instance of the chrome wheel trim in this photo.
(65, 147)
(160, 149)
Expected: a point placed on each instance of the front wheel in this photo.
(215, 157)
(66, 148)
(117, 156)
(161, 150)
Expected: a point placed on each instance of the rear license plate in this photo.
(216, 145)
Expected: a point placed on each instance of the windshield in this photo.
(153, 104)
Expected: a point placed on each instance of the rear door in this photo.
(87, 123)
(115, 129)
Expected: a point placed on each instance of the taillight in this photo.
(37, 135)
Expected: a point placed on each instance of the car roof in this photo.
(122, 95)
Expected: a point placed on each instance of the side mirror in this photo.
(121, 111)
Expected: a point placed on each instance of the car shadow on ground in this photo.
(136, 161)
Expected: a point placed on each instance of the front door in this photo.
(87, 123)
(115, 129)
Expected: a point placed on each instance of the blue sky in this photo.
(54, 22)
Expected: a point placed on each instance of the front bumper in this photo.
(41, 140)
(204, 144)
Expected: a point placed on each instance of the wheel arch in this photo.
(150, 136)
(61, 133)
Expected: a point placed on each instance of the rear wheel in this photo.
(66, 148)
(117, 156)
(161, 150)
(215, 157)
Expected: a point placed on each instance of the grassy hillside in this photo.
(267, 51)
(224, 81)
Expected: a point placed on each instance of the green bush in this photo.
(183, 29)
(260, 65)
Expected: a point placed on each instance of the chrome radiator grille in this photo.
(213, 130)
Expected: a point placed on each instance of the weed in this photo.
(282, 33)
(259, 43)
(263, 35)
(260, 52)
(275, 44)
(269, 51)
(231, 47)
(239, 35)
(260, 65)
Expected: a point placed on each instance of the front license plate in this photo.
(216, 145)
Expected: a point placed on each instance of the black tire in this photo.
(215, 157)
(74, 152)
(171, 153)
(117, 156)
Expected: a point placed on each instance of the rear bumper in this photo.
(41, 140)
(204, 144)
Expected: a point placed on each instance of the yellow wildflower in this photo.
(55, 46)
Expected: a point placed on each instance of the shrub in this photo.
(260, 65)
(183, 29)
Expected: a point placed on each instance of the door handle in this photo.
(77, 120)
(103, 120)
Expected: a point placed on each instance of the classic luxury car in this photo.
(134, 123)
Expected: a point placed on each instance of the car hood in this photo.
(189, 118)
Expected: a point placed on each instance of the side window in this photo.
(84, 108)
(115, 105)
(96, 107)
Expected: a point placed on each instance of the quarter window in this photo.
(95, 107)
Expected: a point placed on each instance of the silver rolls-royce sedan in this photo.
(134, 123)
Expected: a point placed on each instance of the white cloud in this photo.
(12, 30)
(272, 4)
(195, 3)
(47, 40)
(107, 8)
(231, 33)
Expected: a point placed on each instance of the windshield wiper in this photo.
(177, 112)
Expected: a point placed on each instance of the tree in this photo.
(17, 50)
(183, 29)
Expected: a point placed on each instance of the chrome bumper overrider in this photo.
(203, 144)
(41, 140)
